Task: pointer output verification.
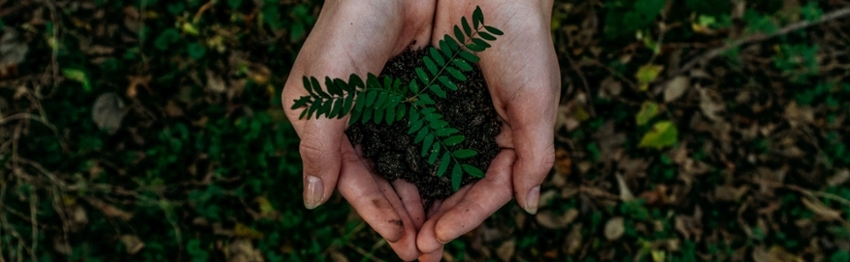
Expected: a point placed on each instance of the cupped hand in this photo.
(522, 72)
(357, 37)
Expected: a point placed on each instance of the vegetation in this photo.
(392, 101)
(152, 130)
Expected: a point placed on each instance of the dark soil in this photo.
(469, 109)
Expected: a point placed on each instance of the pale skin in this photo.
(521, 70)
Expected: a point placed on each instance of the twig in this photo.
(34, 224)
(761, 37)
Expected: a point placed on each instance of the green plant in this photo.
(388, 100)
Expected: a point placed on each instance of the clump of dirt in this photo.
(391, 149)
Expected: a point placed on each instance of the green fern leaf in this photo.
(446, 131)
(335, 108)
(447, 83)
(472, 170)
(414, 87)
(437, 91)
(307, 85)
(469, 57)
(355, 81)
(393, 100)
(487, 36)
(437, 57)
(333, 90)
(367, 115)
(421, 135)
(397, 86)
(301, 102)
(466, 28)
(415, 126)
(400, 111)
(426, 144)
(435, 152)
(326, 108)
(381, 101)
(389, 116)
(464, 153)
(360, 101)
(444, 164)
(371, 95)
(477, 16)
(414, 115)
(355, 115)
(346, 106)
(388, 83)
(438, 124)
(453, 45)
(462, 64)
(456, 176)
(425, 99)
(318, 88)
(432, 67)
(444, 47)
(455, 140)
(303, 114)
(481, 43)
(494, 30)
(343, 85)
(422, 76)
(456, 74)
(313, 108)
(378, 116)
(459, 35)
(475, 48)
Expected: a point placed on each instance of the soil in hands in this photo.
(396, 156)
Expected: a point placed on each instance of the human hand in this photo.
(523, 76)
(357, 37)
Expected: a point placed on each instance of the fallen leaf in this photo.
(646, 74)
(797, 115)
(648, 110)
(78, 76)
(242, 230)
(573, 242)
(625, 193)
(108, 111)
(243, 250)
(711, 104)
(822, 210)
(840, 177)
(133, 243)
(779, 254)
(215, 83)
(610, 88)
(676, 87)
(663, 134)
(13, 50)
(549, 220)
(109, 210)
(563, 162)
(506, 250)
(615, 228)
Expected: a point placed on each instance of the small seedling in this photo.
(389, 100)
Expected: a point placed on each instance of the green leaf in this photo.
(337, 106)
(355, 115)
(414, 115)
(453, 45)
(415, 126)
(301, 102)
(382, 99)
(313, 108)
(435, 151)
(456, 176)
(475, 48)
(307, 85)
(446, 131)
(494, 30)
(663, 134)
(389, 115)
(464, 153)
(372, 82)
(646, 74)
(371, 95)
(438, 123)
(401, 110)
(426, 99)
(444, 164)
(455, 140)
(318, 88)
(303, 113)
(326, 108)
(437, 91)
(414, 87)
(469, 56)
(367, 115)
(456, 74)
(432, 67)
(444, 47)
(487, 36)
(344, 86)
(196, 51)
(378, 116)
(360, 101)
(356, 81)
(473, 171)
(166, 38)
(466, 28)
(435, 54)
(388, 82)
(332, 88)
(346, 106)
(481, 43)
(459, 35)
(78, 76)
(426, 144)
(422, 76)
(477, 16)
(648, 110)
(421, 135)
(447, 83)
(462, 64)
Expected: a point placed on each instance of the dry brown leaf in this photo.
(729, 193)
(13, 49)
(547, 197)
(108, 111)
(133, 243)
(822, 210)
(711, 103)
(506, 251)
(215, 83)
(109, 210)
(549, 220)
(797, 115)
(243, 250)
(615, 228)
(610, 88)
(675, 88)
(563, 162)
(573, 242)
(779, 254)
(840, 177)
(172, 109)
(625, 193)
(336, 256)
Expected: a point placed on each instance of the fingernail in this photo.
(313, 191)
(532, 200)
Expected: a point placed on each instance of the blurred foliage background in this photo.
(694, 130)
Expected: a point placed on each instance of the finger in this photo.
(405, 247)
(357, 185)
(427, 241)
(320, 152)
(411, 200)
(485, 197)
(535, 154)
(437, 255)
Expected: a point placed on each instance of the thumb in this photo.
(320, 153)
